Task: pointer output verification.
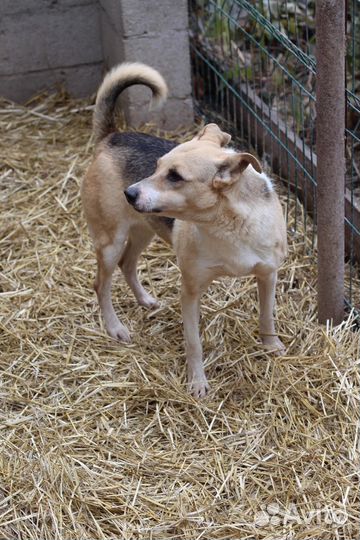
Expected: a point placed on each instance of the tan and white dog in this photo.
(213, 204)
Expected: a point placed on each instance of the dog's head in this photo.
(189, 180)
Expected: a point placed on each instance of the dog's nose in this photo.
(131, 194)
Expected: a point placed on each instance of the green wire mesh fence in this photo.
(254, 72)
(352, 194)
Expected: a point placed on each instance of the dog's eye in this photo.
(174, 176)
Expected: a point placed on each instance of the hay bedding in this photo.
(101, 440)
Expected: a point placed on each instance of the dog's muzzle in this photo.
(131, 194)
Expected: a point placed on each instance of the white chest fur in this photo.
(228, 258)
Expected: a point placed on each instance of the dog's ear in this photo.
(212, 133)
(233, 165)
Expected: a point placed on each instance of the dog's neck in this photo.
(233, 210)
(227, 220)
(231, 215)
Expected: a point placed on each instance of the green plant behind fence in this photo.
(254, 71)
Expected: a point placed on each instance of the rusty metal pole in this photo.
(330, 149)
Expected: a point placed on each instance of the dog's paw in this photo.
(273, 344)
(148, 301)
(119, 332)
(199, 387)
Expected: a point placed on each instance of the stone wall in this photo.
(154, 32)
(71, 43)
(49, 43)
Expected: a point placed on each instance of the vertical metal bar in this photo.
(330, 147)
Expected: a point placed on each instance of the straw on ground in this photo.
(101, 440)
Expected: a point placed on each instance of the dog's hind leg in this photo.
(108, 257)
(139, 238)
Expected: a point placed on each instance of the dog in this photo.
(215, 205)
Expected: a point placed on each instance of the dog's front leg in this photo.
(190, 302)
(266, 287)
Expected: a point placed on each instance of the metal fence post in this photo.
(330, 149)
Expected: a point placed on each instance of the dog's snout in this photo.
(131, 194)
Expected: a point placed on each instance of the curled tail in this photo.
(119, 78)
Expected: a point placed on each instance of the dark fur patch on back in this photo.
(138, 153)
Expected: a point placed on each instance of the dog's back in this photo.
(122, 158)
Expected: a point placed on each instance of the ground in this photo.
(101, 440)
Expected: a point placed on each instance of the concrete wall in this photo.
(44, 43)
(159, 37)
(48, 43)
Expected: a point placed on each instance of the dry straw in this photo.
(101, 440)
